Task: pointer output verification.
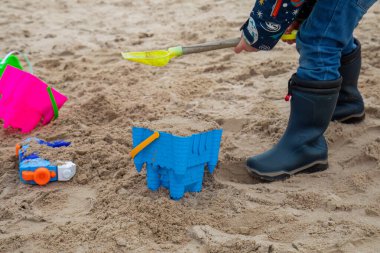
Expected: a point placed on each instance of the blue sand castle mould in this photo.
(177, 163)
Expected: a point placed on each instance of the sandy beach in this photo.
(75, 46)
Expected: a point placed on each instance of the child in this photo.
(325, 85)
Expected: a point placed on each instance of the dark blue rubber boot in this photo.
(302, 148)
(350, 105)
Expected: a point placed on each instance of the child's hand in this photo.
(293, 26)
(243, 46)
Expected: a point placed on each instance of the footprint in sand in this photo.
(234, 172)
(66, 205)
(49, 207)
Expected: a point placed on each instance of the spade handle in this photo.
(209, 46)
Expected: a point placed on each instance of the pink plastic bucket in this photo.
(25, 100)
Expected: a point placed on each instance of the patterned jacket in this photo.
(270, 18)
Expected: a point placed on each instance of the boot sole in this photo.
(281, 175)
(353, 119)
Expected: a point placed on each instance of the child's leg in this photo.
(325, 34)
(315, 87)
(350, 105)
(350, 47)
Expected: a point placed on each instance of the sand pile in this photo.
(180, 126)
(49, 153)
(75, 46)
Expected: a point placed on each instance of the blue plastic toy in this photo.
(36, 170)
(174, 162)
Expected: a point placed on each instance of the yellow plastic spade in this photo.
(160, 58)
(290, 36)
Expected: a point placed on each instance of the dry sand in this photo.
(75, 46)
(180, 126)
(54, 155)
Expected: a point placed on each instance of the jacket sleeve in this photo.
(268, 22)
(305, 10)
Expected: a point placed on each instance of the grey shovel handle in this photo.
(209, 46)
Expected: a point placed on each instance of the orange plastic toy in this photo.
(40, 176)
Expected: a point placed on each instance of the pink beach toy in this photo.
(25, 100)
